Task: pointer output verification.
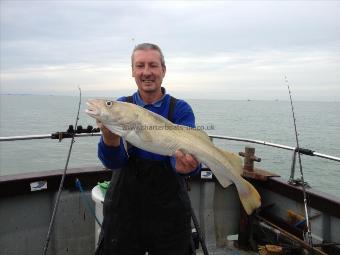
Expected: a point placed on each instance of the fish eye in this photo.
(109, 103)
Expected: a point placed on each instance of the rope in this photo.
(86, 201)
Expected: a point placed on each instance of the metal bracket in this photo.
(292, 180)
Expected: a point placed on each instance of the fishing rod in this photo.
(48, 237)
(305, 202)
(199, 232)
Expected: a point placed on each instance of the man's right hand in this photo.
(109, 138)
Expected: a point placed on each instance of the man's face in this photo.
(148, 70)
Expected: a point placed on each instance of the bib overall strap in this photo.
(172, 105)
(129, 99)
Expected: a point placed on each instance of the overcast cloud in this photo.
(222, 49)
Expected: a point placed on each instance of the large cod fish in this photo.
(151, 132)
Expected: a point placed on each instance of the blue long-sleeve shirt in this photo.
(117, 157)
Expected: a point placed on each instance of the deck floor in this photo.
(226, 251)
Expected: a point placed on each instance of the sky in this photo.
(232, 50)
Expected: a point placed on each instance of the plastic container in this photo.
(98, 194)
(104, 186)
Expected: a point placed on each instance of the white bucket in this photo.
(98, 198)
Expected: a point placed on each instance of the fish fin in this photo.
(234, 160)
(222, 177)
(223, 180)
(114, 129)
(249, 197)
(125, 144)
(232, 165)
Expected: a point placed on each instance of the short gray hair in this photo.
(148, 46)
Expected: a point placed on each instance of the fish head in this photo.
(100, 109)
(114, 115)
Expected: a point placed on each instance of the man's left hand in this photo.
(185, 163)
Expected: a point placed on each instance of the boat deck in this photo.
(25, 214)
(226, 251)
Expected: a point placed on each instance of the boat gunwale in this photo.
(317, 199)
(19, 184)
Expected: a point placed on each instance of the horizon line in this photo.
(185, 98)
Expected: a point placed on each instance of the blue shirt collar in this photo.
(139, 101)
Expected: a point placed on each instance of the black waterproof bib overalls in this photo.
(146, 208)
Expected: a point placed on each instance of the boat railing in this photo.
(62, 135)
(294, 149)
(90, 131)
(44, 136)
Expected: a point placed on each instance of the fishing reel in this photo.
(71, 131)
(81, 130)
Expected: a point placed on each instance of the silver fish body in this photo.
(151, 132)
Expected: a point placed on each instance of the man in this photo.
(146, 208)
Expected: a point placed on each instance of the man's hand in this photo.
(109, 138)
(185, 163)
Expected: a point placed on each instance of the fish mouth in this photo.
(92, 110)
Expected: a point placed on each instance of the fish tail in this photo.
(249, 197)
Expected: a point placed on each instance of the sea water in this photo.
(318, 125)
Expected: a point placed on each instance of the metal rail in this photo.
(36, 137)
(303, 151)
(285, 147)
